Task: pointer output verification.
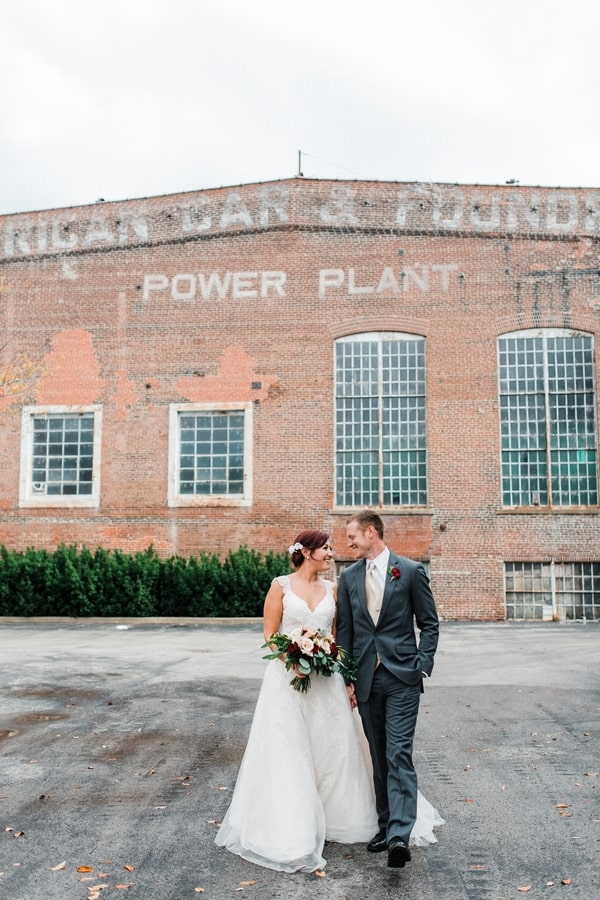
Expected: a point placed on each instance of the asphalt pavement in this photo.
(120, 742)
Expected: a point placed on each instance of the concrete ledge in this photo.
(140, 620)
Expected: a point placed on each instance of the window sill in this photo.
(549, 511)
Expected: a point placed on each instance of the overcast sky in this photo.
(131, 98)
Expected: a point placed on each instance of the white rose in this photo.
(306, 644)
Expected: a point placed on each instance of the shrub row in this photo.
(74, 581)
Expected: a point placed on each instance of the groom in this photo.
(380, 598)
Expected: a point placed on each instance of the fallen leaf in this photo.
(198, 890)
(525, 889)
(549, 884)
(469, 800)
(85, 868)
(246, 883)
(129, 868)
(477, 867)
(320, 874)
(58, 867)
(562, 805)
(589, 774)
(566, 881)
(124, 887)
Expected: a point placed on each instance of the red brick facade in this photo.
(237, 295)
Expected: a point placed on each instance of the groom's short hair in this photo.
(366, 518)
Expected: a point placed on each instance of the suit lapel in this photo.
(388, 589)
(361, 573)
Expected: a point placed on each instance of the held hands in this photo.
(351, 695)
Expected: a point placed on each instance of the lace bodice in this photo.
(297, 614)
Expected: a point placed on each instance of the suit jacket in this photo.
(406, 600)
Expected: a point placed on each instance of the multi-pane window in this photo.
(380, 420)
(548, 422)
(60, 456)
(552, 590)
(210, 458)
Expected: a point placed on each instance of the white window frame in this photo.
(176, 499)
(28, 496)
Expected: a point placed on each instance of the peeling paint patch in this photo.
(236, 380)
(72, 370)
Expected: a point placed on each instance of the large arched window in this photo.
(380, 420)
(547, 418)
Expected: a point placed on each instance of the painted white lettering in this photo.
(341, 209)
(561, 213)
(235, 212)
(354, 289)
(592, 212)
(492, 222)
(444, 270)
(42, 236)
(137, 224)
(272, 281)
(192, 218)
(214, 282)
(98, 230)
(154, 283)
(183, 287)
(421, 281)
(243, 285)
(410, 201)
(330, 278)
(17, 238)
(448, 209)
(273, 198)
(388, 281)
(62, 236)
(524, 208)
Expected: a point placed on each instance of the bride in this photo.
(305, 777)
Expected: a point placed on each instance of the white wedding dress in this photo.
(305, 777)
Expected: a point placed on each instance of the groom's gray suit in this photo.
(388, 693)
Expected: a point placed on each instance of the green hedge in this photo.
(74, 581)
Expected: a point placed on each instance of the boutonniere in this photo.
(394, 573)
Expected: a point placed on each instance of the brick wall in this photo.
(237, 294)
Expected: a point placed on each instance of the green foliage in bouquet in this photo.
(309, 651)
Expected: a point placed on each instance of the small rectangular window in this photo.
(552, 591)
(210, 454)
(60, 456)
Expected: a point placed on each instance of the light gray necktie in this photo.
(373, 591)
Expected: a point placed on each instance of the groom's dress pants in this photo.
(389, 719)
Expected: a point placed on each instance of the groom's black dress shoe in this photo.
(378, 843)
(398, 853)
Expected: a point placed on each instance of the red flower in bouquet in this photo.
(307, 652)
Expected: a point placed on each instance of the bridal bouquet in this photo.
(309, 651)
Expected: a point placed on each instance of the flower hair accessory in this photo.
(294, 547)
